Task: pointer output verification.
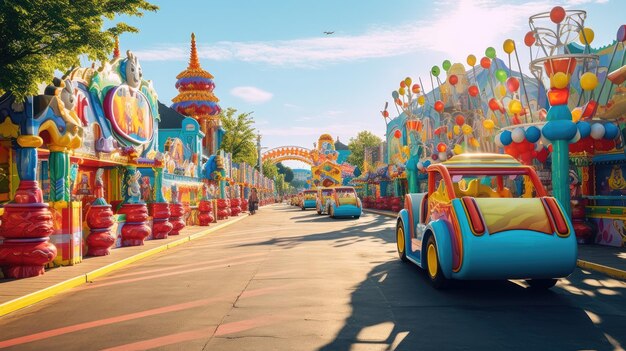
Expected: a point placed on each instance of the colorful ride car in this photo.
(486, 216)
(323, 197)
(308, 199)
(345, 203)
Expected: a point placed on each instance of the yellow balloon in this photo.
(474, 142)
(401, 91)
(508, 46)
(405, 150)
(488, 124)
(588, 81)
(576, 114)
(467, 130)
(457, 129)
(586, 36)
(471, 60)
(458, 149)
(407, 81)
(559, 80)
(515, 106)
(421, 100)
(500, 91)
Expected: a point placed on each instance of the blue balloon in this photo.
(505, 138)
(584, 128)
(426, 163)
(533, 134)
(559, 130)
(610, 131)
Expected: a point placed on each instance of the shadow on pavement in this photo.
(397, 307)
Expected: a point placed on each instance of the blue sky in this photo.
(272, 57)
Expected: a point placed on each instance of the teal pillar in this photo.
(59, 175)
(158, 185)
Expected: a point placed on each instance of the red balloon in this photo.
(512, 84)
(441, 147)
(529, 39)
(485, 62)
(397, 134)
(385, 114)
(402, 84)
(439, 106)
(415, 88)
(453, 79)
(434, 157)
(473, 90)
(557, 14)
(494, 105)
(460, 120)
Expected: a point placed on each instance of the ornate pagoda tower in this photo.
(195, 99)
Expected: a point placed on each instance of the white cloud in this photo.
(251, 94)
(456, 29)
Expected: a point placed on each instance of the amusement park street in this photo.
(286, 279)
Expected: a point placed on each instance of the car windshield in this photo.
(494, 184)
(345, 193)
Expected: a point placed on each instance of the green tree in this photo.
(357, 147)
(41, 36)
(239, 139)
(287, 171)
(270, 170)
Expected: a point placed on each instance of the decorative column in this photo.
(159, 209)
(222, 206)
(27, 222)
(136, 228)
(100, 220)
(205, 207)
(176, 213)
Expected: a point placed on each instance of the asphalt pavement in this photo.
(286, 279)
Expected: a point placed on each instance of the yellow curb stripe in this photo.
(37, 296)
(611, 272)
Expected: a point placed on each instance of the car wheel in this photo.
(303, 208)
(357, 217)
(400, 242)
(433, 268)
(541, 283)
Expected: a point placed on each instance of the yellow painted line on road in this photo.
(611, 272)
(30, 299)
(37, 296)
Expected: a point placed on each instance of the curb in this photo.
(611, 272)
(37, 296)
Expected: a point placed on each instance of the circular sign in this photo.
(130, 114)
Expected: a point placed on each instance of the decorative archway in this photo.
(284, 153)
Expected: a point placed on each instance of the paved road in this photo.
(285, 279)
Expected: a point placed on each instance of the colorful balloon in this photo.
(610, 131)
(402, 85)
(415, 88)
(501, 75)
(494, 105)
(460, 120)
(577, 113)
(621, 33)
(485, 62)
(586, 36)
(584, 128)
(439, 106)
(441, 147)
(488, 124)
(557, 14)
(515, 106)
(529, 38)
(386, 114)
(398, 102)
(473, 90)
(397, 134)
(446, 65)
(453, 79)
(533, 134)
(421, 100)
(474, 142)
(518, 135)
(505, 138)
(456, 130)
(490, 52)
(435, 71)
(471, 60)
(508, 46)
(500, 91)
(467, 129)
(408, 81)
(458, 149)
(559, 80)
(597, 131)
(512, 84)
(395, 95)
(588, 81)
(401, 91)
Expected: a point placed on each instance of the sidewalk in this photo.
(17, 294)
(604, 259)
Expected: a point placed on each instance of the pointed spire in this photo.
(116, 48)
(193, 59)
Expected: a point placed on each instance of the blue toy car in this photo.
(486, 216)
(345, 203)
(308, 199)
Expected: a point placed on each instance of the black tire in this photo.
(303, 208)
(541, 284)
(400, 244)
(437, 279)
(357, 217)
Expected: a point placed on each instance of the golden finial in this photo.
(193, 59)
(116, 48)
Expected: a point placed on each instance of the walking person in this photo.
(253, 201)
